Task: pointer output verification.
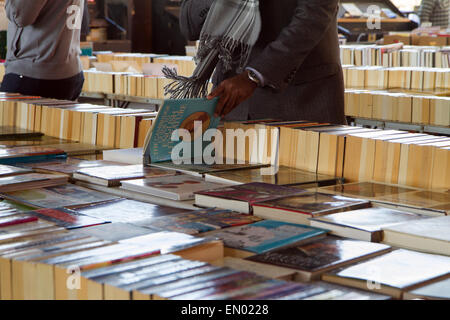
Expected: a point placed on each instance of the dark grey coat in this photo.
(297, 53)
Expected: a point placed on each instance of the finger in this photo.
(223, 101)
(216, 92)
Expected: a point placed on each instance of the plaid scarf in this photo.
(228, 35)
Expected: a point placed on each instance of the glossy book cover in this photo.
(252, 192)
(320, 254)
(370, 219)
(174, 115)
(314, 203)
(61, 196)
(200, 221)
(266, 235)
(367, 189)
(66, 218)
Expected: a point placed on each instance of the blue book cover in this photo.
(267, 235)
(174, 115)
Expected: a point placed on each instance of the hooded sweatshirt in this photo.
(44, 38)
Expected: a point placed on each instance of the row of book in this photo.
(185, 64)
(115, 264)
(397, 106)
(134, 85)
(354, 153)
(85, 123)
(410, 78)
(395, 55)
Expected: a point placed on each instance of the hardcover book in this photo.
(174, 115)
(111, 176)
(66, 218)
(264, 236)
(299, 208)
(179, 187)
(56, 197)
(240, 198)
(314, 258)
(364, 224)
(393, 273)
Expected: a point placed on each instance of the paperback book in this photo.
(264, 236)
(66, 218)
(241, 198)
(67, 166)
(299, 208)
(29, 154)
(30, 181)
(429, 235)
(56, 197)
(8, 171)
(314, 258)
(283, 176)
(180, 114)
(178, 187)
(199, 221)
(111, 176)
(364, 224)
(393, 273)
(126, 211)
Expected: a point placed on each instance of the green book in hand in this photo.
(165, 134)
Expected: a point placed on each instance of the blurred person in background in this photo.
(435, 11)
(43, 57)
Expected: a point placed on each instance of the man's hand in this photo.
(232, 92)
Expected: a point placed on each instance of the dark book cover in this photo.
(320, 254)
(12, 133)
(251, 192)
(314, 203)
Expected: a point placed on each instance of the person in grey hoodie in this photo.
(43, 57)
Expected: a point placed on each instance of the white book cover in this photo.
(180, 187)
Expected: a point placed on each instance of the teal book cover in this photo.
(267, 235)
(180, 114)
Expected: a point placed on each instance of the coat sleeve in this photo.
(309, 24)
(24, 12)
(193, 16)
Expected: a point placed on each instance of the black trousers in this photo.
(65, 89)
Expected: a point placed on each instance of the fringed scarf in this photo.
(228, 35)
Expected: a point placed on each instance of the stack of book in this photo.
(85, 123)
